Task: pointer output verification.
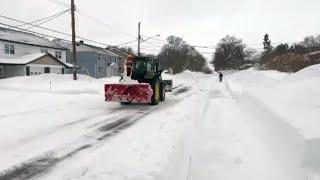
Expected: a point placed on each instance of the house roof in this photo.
(103, 50)
(26, 59)
(81, 47)
(11, 35)
(118, 51)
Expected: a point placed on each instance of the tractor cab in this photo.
(145, 69)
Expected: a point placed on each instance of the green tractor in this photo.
(149, 89)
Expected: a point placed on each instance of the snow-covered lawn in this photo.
(254, 125)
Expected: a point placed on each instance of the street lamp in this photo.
(143, 40)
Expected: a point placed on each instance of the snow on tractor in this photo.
(141, 83)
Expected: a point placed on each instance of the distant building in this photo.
(95, 61)
(24, 54)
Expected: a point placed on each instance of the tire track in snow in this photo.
(44, 163)
(102, 131)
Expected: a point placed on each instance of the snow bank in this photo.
(55, 83)
(294, 98)
(307, 73)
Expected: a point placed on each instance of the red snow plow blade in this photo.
(133, 93)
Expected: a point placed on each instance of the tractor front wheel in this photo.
(162, 92)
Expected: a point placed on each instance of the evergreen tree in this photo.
(267, 45)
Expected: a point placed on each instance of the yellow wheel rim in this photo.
(157, 91)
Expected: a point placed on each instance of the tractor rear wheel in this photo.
(156, 92)
(162, 92)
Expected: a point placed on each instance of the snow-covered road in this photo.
(50, 127)
(204, 130)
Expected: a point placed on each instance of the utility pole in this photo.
(139, 38)
(74, 50)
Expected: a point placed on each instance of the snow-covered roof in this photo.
(90, 48)
(28, 59)
(27, 38)
(117, 51)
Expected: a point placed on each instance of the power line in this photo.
(34, 25)
(29, 31)
(41, 34)
(52, 30)
(45, 20)
(60, 3)
(127, 43)
(96, 20)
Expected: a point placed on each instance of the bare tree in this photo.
(230, 53)
(180, 56)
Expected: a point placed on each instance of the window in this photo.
(100, 69)
(58, 54)
(9, 49)
(47, 70)
(149, 65)
(99, 57)
(6, 49)
(44, 51)
(140, 67)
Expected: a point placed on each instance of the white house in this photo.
(17, 46)
(32, 64)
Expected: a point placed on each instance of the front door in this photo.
(1, 71)
(27, 71)
(46, 70)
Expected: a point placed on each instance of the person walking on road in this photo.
(220, 76)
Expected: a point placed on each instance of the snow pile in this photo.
(56, 83)
(293, 98)
(296, 96)
(307, 73)
(297, 99)
(252, 78)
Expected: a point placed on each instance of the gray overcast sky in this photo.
(201, 22)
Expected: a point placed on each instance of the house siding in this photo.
(12, 71)
(85, 60)
(23, 49)
(90, 60)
